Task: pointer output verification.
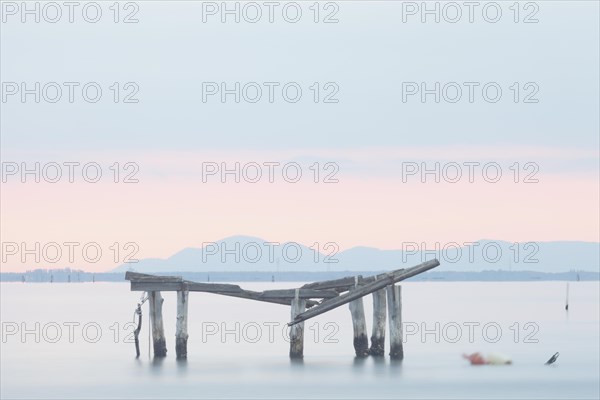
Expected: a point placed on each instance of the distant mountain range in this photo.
(245, 253)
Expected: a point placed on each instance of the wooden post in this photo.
(379, 320)
(158, 332)
(181, 332)
(394, 300)
(359, 326)
(297, 331)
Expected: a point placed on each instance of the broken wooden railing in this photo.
(303, 306)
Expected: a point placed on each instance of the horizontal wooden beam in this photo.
(382, 281)
(302, 294)
(136, 276)
(155, 286)
(149, 285)
(220, 288)
(217, 288)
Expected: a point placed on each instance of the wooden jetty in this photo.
(305, 302)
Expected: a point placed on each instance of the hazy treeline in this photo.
(74, 276)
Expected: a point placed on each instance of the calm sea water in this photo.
(73, 341)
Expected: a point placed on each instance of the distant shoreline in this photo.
(67, 275)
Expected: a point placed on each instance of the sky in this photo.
(509, 151)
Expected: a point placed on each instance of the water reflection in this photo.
(157, 362)
(395, 366)
(379, 365)
(359, 362)
(182, 366)
(297, 362)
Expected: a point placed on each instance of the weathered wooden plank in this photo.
(136, 276)
(346, 282)
(394, 297)
(342, 284)
(158, 331)
(379, 320)
(297, 331)
(181, 331)
(220, 288)
(148, 285)
(303, 294)
(380, 283)
(141, 286)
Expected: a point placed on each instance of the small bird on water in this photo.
(553, 358)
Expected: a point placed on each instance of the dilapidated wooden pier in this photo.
(305, 302)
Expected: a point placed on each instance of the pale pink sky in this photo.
(164, 214)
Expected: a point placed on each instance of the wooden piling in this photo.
(297, 330)
(181, 331)
(394, 299)
(359, 326)
(379, 320)
(158, 331)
